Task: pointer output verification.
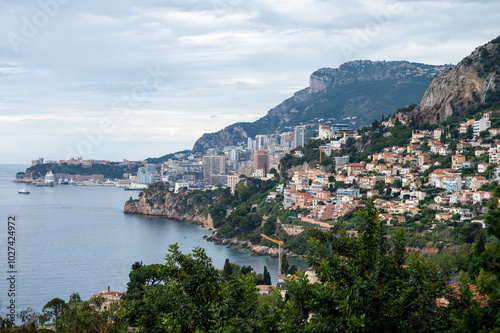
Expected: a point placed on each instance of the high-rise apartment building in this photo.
(299, 136)
(261, 141)
(286, 139)
(213, 166)
(261, 160)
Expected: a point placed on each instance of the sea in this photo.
(76, 239)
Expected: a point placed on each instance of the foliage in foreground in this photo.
(366, 284)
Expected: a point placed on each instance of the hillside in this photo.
(473, 85)
(362, 90)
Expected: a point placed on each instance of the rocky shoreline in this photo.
(255, 250)
(164, 204)
(142, 208)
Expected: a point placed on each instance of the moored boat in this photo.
(24, 191)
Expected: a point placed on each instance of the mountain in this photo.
(472, 85)
(362, 90)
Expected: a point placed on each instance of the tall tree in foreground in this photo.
(369, 284)
(486, 318)
(193, 296)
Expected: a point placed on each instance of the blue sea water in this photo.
(76, 239)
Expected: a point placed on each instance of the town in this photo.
(448, 171)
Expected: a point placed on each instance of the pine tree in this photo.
(227, 270)
(285, 266)
(267, 277)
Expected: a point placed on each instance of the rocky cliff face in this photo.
(183, 206)
(161, 202)
(361, 89)
(465, 84)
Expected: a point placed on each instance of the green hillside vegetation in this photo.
(112, 171)
(366, 283)
(368, 99)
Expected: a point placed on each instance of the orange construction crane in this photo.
(274, 238)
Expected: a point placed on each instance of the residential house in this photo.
(478, 196)
(323, 195)
(315, 188)
(443, 151)
(479, 152)
(468, 164)
(367, 182)
(443, 216)
(438, 132)
(456, 161)
(303, 200)
(424, 159)
(354, 192)
(355, 169)
(482, 167)
(108, 297)
(476, 182)
(289, 198)
(467, 197)
(455, 198)
(494, 131)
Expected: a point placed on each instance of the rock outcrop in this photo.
(255, 250)
(465, 84)
(160, 202)
(186, 206)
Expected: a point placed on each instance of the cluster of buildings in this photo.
(400, 173)
(82, 162)
(223, 167)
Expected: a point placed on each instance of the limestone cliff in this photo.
(159, 201)
(191, 206)
(467, 83)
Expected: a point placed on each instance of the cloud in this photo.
(223, 61)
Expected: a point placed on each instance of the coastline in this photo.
(140, 208)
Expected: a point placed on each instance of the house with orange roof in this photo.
(108, 297)
(303, 200)
(482, 167)
(476, 182)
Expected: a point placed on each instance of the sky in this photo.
(121, 79)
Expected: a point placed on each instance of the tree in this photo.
(267, 277)
(477, 257)
(487, 318)
(470, 132)
(140, 276)
(192, 296)
(54, 310)
(227, 270)
(285, 266)
(74, 298)
(270, 225)
(366, 285)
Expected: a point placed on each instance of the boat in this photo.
(39, 183)
(49, 179)
(135, 187)
(24, 191)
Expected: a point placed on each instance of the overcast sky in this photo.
(128, 79)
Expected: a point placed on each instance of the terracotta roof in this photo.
(263, 287)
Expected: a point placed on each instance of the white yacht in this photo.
(49, 179)
(24, 191)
